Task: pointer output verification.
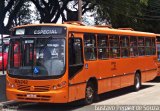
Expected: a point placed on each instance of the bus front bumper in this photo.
(57, 96)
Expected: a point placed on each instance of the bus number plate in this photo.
(24, 82)
(31, 96)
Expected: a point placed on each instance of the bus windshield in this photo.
(37, 57)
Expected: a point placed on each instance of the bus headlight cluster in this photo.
(10, 85)
(60, 85)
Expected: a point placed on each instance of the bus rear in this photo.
(37, 65)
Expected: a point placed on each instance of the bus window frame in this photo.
(118, 47)
(107, 46)
(75, 65)
(124, 47)
(40, 77)
(95, 46)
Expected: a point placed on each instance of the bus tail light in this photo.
(60, 85)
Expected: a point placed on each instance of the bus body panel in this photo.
(43, 89)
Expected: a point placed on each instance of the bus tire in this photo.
(90, 93)
(137, 82)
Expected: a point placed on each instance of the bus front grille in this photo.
(33, 88)
(38, 97)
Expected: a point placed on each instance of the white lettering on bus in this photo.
(39, 32)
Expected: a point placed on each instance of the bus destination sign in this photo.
(40, 30)
(45, 32)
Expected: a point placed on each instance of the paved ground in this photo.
(148, 95)
(2, 88)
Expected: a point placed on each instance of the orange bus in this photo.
(67, 62)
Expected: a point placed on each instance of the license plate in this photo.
(31, 95)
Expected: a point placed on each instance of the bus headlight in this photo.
(60, 85)
(10, 85)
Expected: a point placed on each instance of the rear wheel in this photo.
(137, 82)
(89, 94)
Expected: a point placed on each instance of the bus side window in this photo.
(153, 47)
(90, 47)
(103, 51)
(75, 56)
(148, 48)
(141, 49)
(114, 46)
(124, 41)
(133, 46)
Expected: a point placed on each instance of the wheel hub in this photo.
(89, 92)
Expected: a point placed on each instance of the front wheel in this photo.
(137, 82)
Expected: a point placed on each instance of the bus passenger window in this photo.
(114, 46)
(153, 47)
(133, 46)
(141, 49)
(90, 47)
(148, 48)
(103, 51)
(124, 41)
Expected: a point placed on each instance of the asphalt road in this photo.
(2, 88)
(148, 95)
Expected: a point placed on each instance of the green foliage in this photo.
(145, 2)
(152, 16)
(119, 11)
(142, 15)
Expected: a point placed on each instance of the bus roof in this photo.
(94, 29)
(158, 35)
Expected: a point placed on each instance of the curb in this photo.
(2, 104)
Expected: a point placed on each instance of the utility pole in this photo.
(80, 10)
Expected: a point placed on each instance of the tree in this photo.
(151, 16)
(51, 10)
(120, 13)
(8, 8)
(26, 15)
(142, 15)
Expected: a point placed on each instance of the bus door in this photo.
(76, 65)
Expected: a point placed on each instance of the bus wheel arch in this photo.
(91, 92)
(137, 80)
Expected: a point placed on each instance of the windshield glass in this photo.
(37, 57)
